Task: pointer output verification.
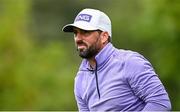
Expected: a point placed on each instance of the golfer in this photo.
(111, 79)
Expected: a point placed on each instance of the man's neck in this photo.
(92, 62)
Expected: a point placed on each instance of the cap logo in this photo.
(83, 17)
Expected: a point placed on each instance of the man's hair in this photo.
(109, 38)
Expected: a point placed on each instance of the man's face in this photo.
(88, 43)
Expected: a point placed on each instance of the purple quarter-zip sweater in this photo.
(125, 81)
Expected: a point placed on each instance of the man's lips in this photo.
(80, 47)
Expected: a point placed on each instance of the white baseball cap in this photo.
(90, 19)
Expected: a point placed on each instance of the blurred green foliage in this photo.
(38, 62)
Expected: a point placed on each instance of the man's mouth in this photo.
(81, 47)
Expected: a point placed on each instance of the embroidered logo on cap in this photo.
(83, 17)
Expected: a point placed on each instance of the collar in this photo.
(101, 58)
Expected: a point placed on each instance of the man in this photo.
(110, 79)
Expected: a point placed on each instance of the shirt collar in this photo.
(101, 57)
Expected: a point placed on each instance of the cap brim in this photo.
(70, 27)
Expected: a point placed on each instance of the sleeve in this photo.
(146, 85)
(82, 106)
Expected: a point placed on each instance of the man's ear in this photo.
(104, 37)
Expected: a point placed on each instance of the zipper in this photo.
(97, 84)
(96, 76)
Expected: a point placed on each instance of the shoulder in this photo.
(133, 62)
(126, 55)
(130, 57)
(136, 62)
(79, 82)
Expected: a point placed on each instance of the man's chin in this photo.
(83, 54)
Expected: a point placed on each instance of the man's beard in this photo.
(90, 51)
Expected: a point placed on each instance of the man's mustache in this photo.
(81, 43)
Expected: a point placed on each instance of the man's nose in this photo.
(78, 37)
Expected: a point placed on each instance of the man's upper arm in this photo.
(82, 106)
(146, 84)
